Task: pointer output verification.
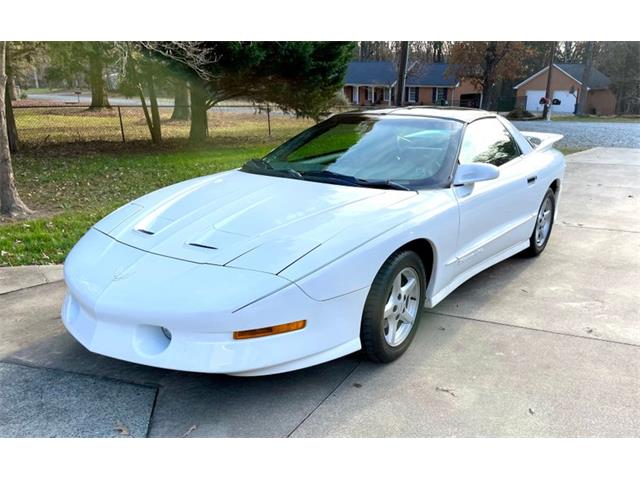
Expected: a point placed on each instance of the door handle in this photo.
(532, 180)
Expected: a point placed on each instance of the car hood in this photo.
(250, 221)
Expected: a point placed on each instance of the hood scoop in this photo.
(152, 224)
(214, 239)
(200, 245)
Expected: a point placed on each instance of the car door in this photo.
(494, 214)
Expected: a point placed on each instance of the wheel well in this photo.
(555, 186)
(424, 249)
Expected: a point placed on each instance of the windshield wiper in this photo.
(256, 165)
(333, 177)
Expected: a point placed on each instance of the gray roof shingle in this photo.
(386, 73)
(431, 74)
(597, 79)
(370, 73)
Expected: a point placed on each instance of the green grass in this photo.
(72, 194)
(570, 150)
(596, 118)
(71, 186)
(42, 90)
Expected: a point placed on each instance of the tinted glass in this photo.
(487, 141)
(407, 150)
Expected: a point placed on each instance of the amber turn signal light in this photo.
(263, 332)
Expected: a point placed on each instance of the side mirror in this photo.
(468, 173)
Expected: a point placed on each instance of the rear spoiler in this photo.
(542, 141)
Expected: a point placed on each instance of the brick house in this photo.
(565, 86)
(373, 83)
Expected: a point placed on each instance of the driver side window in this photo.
(487, 141)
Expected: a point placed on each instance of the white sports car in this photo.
(331, 243)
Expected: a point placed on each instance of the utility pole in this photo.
(546, 112)
(586, 75)
(402, 72)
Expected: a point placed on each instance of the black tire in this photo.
(535, 248)
(372, 329)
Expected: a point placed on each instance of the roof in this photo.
(431, 74)
(465, 115)
(371, 73)
(385, 73)
(597, 79)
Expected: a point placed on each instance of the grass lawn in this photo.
(596, 118)
(570, 150)
(73, 186)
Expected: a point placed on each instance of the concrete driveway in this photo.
(532, 347)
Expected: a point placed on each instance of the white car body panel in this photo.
(238, 251)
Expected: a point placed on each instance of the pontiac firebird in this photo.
(331, 243)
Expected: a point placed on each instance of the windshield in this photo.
(375, 150)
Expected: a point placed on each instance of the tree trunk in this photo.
(12, 130)
(546, 110)
(586, 75)
(486, 91)
(153, 119)
(11, 87)
(99, 97)
(402, 73)
(156, 134)
(181, 101)
(199, 123)
(10, 203)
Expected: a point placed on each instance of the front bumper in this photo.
(119, 298)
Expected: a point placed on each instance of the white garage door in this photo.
(533, 100)
(567, 102)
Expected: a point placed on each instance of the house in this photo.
(373, 83)
(565, 86)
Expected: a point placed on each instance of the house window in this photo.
(412, 94)
(370, 94)
(440, 96)
(385, 94)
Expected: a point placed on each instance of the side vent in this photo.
(142, 230)
(203, 246)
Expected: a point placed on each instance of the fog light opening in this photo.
(266, 331)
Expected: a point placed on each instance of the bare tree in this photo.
(10, 203)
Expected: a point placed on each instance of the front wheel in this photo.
(544, 223)
(393, 307)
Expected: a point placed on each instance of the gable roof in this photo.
(371, 73)
(385, 73)
(431, 74)
(597, 79)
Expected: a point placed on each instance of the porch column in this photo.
(356, 94)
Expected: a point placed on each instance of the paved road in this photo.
(85, 99)
(588, 134)
(531, 347)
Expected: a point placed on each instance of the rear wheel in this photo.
(544, 224)
(393, 307)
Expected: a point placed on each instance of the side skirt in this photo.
(467, 274)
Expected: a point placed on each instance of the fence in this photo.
(54, 124)
(42, 125)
